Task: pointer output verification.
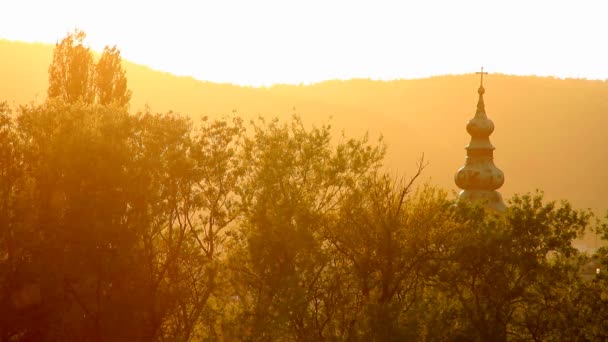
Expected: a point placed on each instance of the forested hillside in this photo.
(548, 131)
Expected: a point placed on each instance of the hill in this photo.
(549, 132)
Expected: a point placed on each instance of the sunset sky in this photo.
(265, 42)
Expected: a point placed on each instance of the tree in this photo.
(73, 245)
(160, 196)
(182, 198)
(110, 79)
(294, 184)
(71, 73)
(388, 239)
(16, 278)
(218, 172)
(11, 167)
(505, 273)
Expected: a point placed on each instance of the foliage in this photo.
(74, 76)
(110, 79)
(505, 272)
(71, 71)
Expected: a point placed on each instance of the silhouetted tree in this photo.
(110, 79)
(71, 73)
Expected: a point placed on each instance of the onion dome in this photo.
(479, 178)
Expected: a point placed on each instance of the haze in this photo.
(141, 205)
(268, 42)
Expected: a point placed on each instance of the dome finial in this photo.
(481, 82)
(481, 91)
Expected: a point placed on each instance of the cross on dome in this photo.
(481, 73)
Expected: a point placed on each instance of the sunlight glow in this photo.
(266, 42)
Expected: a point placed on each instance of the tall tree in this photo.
(71, 71)
(110, 79)
(81, 246)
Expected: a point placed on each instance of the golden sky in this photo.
(264, 42)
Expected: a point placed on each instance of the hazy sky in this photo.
(263, 42)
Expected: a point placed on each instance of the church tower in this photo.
(479, 178)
